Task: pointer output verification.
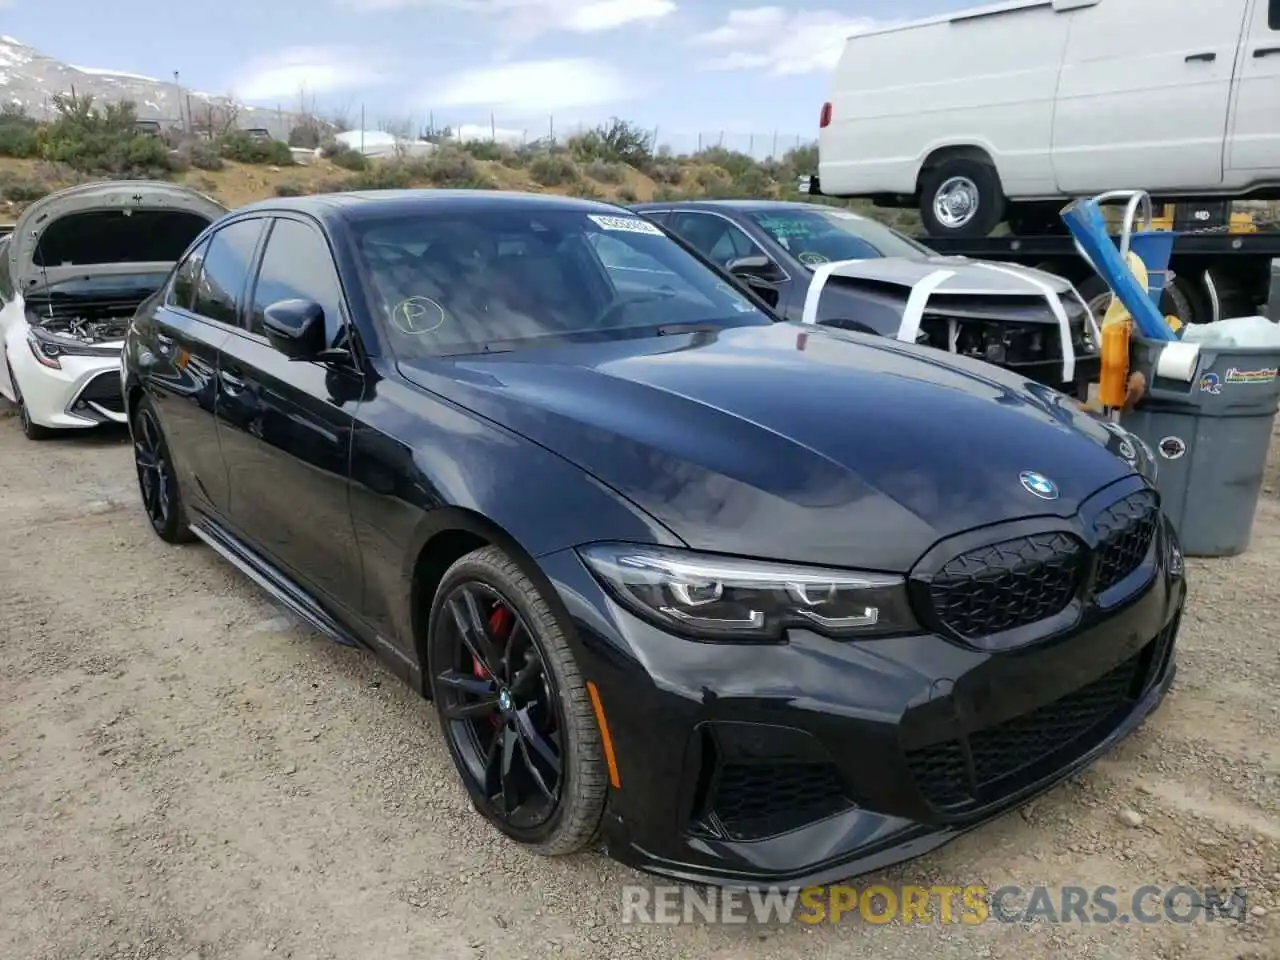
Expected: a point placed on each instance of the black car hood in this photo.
(794, 442)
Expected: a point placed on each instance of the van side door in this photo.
(1253, 145)
(1143, 95)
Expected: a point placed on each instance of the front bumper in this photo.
(84, 392)
(815, 760)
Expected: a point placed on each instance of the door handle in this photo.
(1202, 57)
(1264, 51)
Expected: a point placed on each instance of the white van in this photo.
(1004, 110)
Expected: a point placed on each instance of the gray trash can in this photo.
(1210, 438)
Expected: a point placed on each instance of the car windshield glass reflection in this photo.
(505, 280)
(822, 236)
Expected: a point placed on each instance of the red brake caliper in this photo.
(500, 623)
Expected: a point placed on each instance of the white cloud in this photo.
(315, 70)
(575, 16)
(534, 87)
(611, 14)
(781, 41)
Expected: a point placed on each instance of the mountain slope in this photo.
(29, 79)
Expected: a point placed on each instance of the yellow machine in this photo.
(1115, 387)
(1241, 222)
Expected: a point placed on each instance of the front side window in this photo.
(714, 237)
(186, 279)
(297, 265)
(226, 267)
(823, 235)
(508, 279)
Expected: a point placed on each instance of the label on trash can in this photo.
(1211, 383)
(1171, 448)
(1260, 375)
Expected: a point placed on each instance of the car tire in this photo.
(157, 480)
(32, 431)
(477, 741)
(961, 177)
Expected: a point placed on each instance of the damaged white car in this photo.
(72, 274)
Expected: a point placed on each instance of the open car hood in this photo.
(122, 226)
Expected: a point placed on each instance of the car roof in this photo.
(742, 206)
(364, 204)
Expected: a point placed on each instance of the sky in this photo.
(681, 66)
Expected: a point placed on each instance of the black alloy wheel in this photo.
(161, 500)
(513, 707)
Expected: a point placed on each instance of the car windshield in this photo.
(823, 235)
(508, 279)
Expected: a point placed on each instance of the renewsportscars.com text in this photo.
(970, 904)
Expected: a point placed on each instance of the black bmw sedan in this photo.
(753, 602)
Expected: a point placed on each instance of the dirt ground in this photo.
(186, 774)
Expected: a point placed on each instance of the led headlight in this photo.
(725, 598)
(49, 349)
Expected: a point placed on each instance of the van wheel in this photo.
(1174, 301)
(961, 197)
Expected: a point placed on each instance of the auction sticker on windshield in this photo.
(624, 224)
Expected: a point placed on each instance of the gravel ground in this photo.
(185, 773)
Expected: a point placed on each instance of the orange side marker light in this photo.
(605, 739)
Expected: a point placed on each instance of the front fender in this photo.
(422, 466)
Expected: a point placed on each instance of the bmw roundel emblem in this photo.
(1038, 485)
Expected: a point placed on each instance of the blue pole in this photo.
(1084, 220)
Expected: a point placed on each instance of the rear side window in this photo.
(226, 267)
(186, 279)
(1273, 15)
(6, 281)
(297, 265)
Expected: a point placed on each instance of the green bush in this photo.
(18, 133)
(22, 189)
(553, 170)
(606, 172)
(666, 172)
(102, 142)
(349, 159)
(387, 175)
(305, 135)
(627, 195)
(485, 149)
(203, 155)
(242, 148)
(452, 167)
(615, 142)
(289, 189)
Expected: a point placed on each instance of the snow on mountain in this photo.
(29, 79)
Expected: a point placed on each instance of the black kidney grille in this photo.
(942, 771)
(1125, 531)
(1008, 585)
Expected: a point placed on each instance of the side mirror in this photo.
(296, 328)
(755, 267)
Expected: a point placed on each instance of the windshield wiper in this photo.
(688, 326)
